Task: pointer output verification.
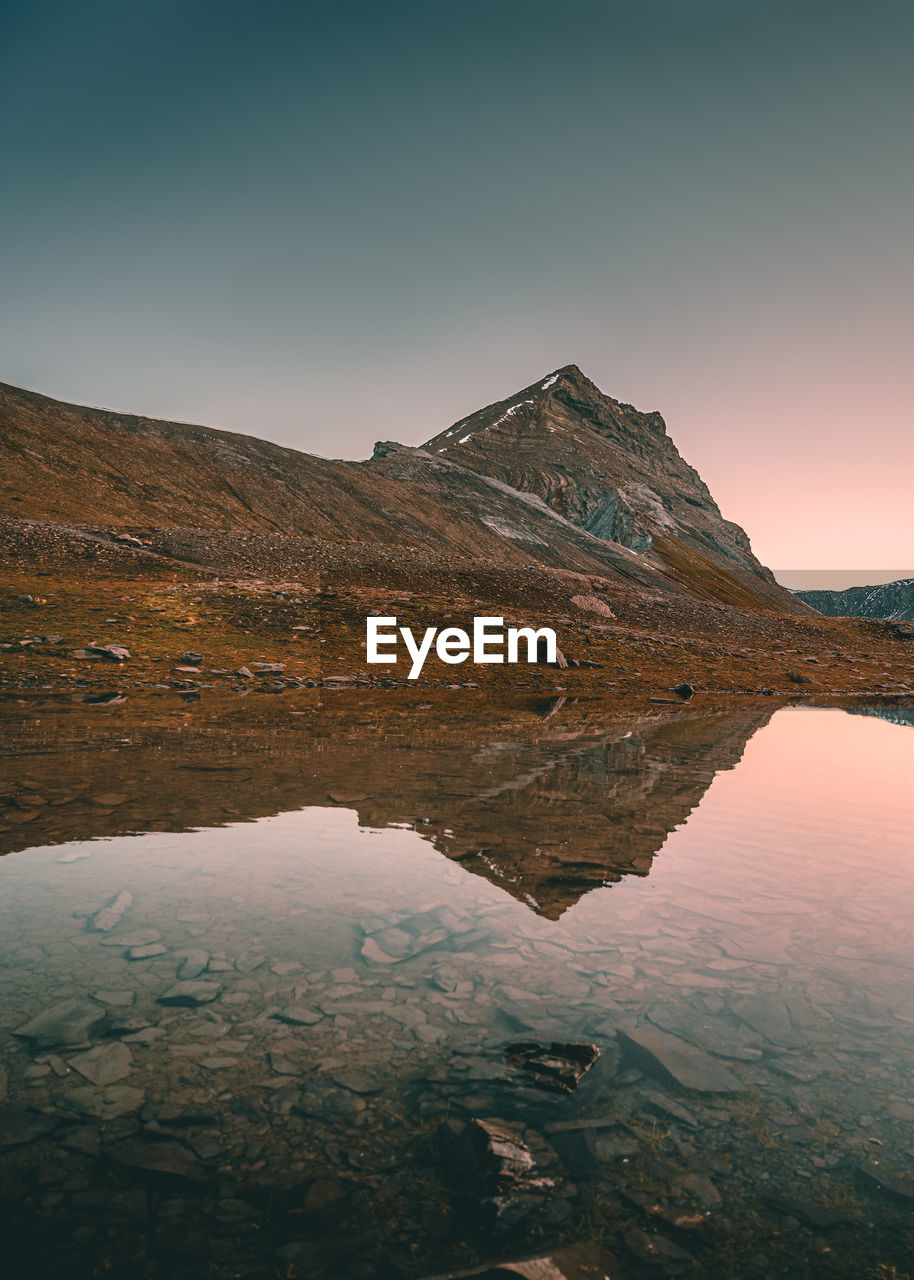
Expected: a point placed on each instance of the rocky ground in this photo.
(191, 611)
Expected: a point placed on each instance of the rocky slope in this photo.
(612, 470)
(88, 468)
(892, 600)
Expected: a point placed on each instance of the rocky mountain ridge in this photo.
(891, 600)
(576, 497)
(602, 464)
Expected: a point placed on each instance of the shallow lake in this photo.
(263, 1047)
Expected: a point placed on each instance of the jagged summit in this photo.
(605, 466)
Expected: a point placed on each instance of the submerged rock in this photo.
(506, 1170)
(189, 994)
(104, 1064)
(105, 1103)
(897, 1183)
(67, 1024)
(664, 1254)
(19, 1127)
(676, 1060)
(193, 963)
(555, 1067)
(569, 1262)
(105, 920)
(298, 1015)
(147, 951)
(166, 1158)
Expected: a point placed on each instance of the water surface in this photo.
(370, 947)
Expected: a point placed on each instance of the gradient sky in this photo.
(334, 223)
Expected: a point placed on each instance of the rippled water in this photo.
(741, 882)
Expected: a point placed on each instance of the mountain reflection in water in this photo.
(740, 880)
(547, 813)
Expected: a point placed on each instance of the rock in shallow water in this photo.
(105, 920)
(298, 1015)
(106, 1103)
(569, 1262)
(18, 1127)
(676, 1060)
(105, 1064)
(189, 994)
(506, 1170)
(192, 964)
(169, 1159)
(554, 1067)
(67, 1024)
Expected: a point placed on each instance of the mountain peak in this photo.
(604, 466)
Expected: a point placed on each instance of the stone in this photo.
(18, 1127)
(815, 1215)
(193, 964)
(113, 652)
(283, 1065)
(674, 1215)
(67, 1024)
(507, 1170)
(105, 920)
(556, 1067)
(677, 1061)
(189, 994)
(664, 1254)
(894, 1181)
(568, 1262)
(245, 673)
(165, 1158)
(105, 1103)
(684, 689)
(147, 951)
(356, 1081)
(194, 659)
(769, 1017)
(374, 954)
(120, 997)
(700, 1187)
(660, 1104)
(138, 939)
(794, 676)
(146, 1035)
(105, 1064)
(268, 668)
(297, 1015)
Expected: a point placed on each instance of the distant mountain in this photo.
(892, 600)
(558, 475)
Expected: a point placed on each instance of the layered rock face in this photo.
(608, 468)
(892, 600)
